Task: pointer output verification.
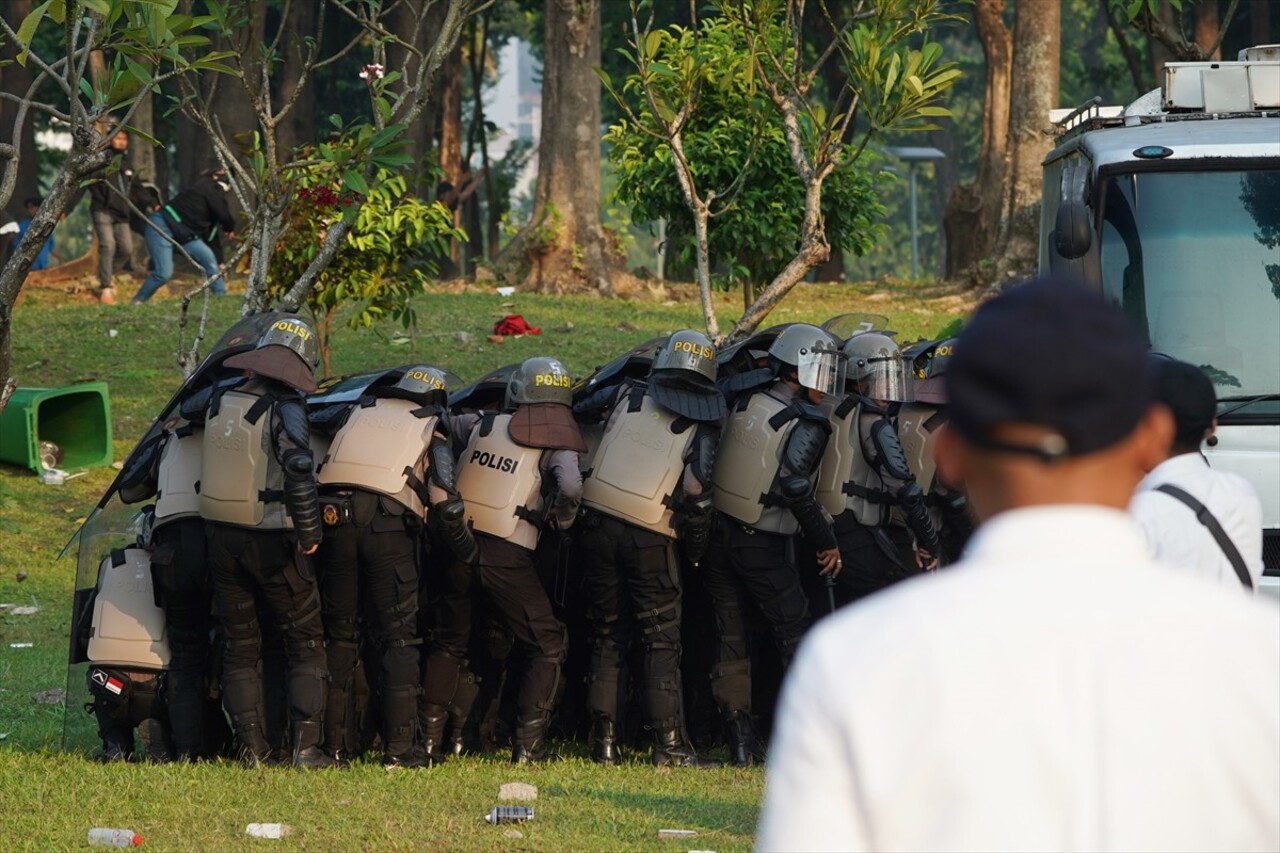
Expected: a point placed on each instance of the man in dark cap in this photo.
(258, 499)
(1226, 544)
(649, 485)
(1058, 689)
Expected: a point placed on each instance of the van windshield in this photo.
(1194, 258)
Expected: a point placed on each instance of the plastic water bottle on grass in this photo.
(102, 836)
(510, 814)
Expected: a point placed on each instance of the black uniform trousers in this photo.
(369, 572)
(745, 567)
(184, 590)
(870, 566)
(633, 585)
(505, 575)
(247, 564)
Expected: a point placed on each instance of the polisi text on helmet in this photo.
(553, 380)
(693, 349)
(292, 327)
(423, 376)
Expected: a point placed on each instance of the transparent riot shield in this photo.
(845, 325)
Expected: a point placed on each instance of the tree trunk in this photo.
(1260, 22)
(421, 135)
(15, 79)
(451, 143)
(1160, 52)
(1033, 93)
(1207, 22)
(563, 247)
(298, 127)
(972, 218)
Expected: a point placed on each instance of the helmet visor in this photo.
(821, 369)
(891, 378)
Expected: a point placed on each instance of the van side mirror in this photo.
(1072, 235)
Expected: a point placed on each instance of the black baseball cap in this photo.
(1053, 353)
(1188, 392)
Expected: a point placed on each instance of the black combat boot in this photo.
(155, 740)
(530, 741)
(307, 753)
(252, 749)
(743, 748)
(604, 740)
(434, 718)
(672, 749)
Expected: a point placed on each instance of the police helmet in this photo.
(814, 353)
(286, 351)
(877, 363)
(540, 380)
(427, 382)
(682, 378)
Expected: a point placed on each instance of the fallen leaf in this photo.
(496, 339)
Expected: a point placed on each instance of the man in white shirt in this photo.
(1175, 534)
(1057, 689)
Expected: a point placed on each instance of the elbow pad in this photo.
(911, 499)
(451, 516)
(442, 466)
(702, 462)
(300, 496)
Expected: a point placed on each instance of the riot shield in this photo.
(485, 394)
(632, 364)
(844, 325)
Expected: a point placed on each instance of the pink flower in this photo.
(371, 72)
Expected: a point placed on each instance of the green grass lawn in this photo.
(49, 800)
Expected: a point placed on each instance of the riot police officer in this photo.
(649, 483)
(865, 472)
(765, 470)
(258, 499)
(518, 476)
(389, 461)
(918, 425)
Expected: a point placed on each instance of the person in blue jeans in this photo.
(191, 219)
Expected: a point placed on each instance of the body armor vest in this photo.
(241, 481)
(128, 628)
(501, 483)
(916, 425)
(380, 448)
(747, 461)
(846, 479)
(178, 477)
(638, 465)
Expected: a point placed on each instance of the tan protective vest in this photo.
(638, 465)
(917, 443)
(747, 461)
(378, 448)
(501, 483)
(241, 481)
(177, 483)
(844, 464)
(128, 629)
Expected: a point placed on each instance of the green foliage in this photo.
(734, 144)
(386, 258)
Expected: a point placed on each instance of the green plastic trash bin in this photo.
(77, 419)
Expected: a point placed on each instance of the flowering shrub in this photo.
(385, 259)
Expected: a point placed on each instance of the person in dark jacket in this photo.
(190, 220)
(109, 210)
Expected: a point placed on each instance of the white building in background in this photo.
(515, 106)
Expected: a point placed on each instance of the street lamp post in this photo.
(912, 155)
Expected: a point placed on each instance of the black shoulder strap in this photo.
(637, 397)
(846, 405)
(1219, 535)
(486, 423)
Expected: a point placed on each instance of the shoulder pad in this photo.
(329, 419)
(805, 446)
(442, 466)
(809, 412)
(702, 456)
(890, 455)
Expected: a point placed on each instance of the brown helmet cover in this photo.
(549, 425)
